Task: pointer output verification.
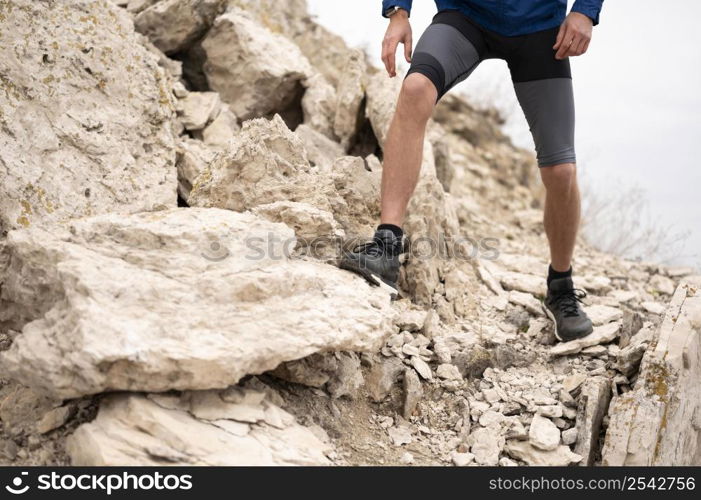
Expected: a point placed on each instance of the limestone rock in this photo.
(543, 433)
(256, 71)
(258, 168)
(600, 314)
(319, 105)
(413, 392)
(132, 429)
(448, 372)
(86, 117)
(528, 283)
(657, 423)
(176, 299)
(601, 335)
(350, 94)
(561, 456)
(174, 25)
(197, 109)
(485, 445)
(193, 157)
(382, 377)
(593, 406)
(321, 150)
(221, 131)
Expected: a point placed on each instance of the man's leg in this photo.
(562, 212)
(448, 51)
(403, 152)
(543, 86)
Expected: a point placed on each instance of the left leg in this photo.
(543, 86)
(562, 212)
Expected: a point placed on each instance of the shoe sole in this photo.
(552, 318)
(372, 278)
(557, 334)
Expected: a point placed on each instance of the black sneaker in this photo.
(378, 260)
(562, 306)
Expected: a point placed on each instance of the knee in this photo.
(418, 96)
(560, 177)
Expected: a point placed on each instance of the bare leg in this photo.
(403, 151)
(562, 212)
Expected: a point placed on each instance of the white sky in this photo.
(637, 91)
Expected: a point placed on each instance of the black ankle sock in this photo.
(396, 230)
(556, 275)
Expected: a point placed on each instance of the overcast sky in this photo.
(637, 91)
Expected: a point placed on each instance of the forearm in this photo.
(590, 8)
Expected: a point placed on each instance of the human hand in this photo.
(398, 31)
(574, 36)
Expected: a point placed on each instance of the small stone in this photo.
(55, 418)
(491, 417)
(571, 383)
(421, 367)
(410, 350)
(198, 108)
(527, 301)
(411, 320)
(441, 350)
(601, 335)
(491, 396)
(569, 436)
(400, 435)
(382, 377)
(595, 351)
(407, 458)
(561, 456)
(462, 459)
(507, 462)
(600, 315)
(661, 284)
(413, 392)
(654, 307)
(543, 433)
(448, 372)
(486, 445)
(550, 411)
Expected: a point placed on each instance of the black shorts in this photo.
(454, 45)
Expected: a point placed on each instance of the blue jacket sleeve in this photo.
(590, 8)
(404, 4)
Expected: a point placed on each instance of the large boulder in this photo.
(232, 427)
(86, 115)
(175, 299)
(658, 423)
(174, 25)
(257, 72)
(266, 162)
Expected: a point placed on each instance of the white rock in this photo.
(653, 307)
(421, 368)
(490, 418)
(255, 70)
(559, 457)
(350, 94)
(193, 157)
(462, 459)
(407, 458)
(400, 435)
(526, 300)
(529, 283)
(486, 445)
(174, 25)
(176, 299)
(600, 315)
(132, 430)
(491, 396)
(543, 433)
(661, 284)
(221, 131)
(569, 436)
(197, 109)
(601, 335)
(81, 133)
(448, 372)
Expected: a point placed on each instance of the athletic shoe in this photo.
(378, 260)
(562, 306)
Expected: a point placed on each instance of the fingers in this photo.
(389, 51)
(408, 48)
(560, 36)
(577, 48)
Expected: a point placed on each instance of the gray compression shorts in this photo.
(454, 45)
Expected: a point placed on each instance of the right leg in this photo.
(404, 146)
(448, 51)
(445, 55)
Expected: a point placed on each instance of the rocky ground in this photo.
(178, 179)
